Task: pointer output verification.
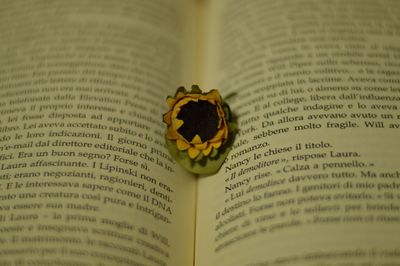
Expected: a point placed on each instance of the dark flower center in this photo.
(199, 118)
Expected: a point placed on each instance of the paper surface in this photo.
(313, 176)
(85, 177)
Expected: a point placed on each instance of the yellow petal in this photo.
(193, 152)
(182, 145)
(177, 123)
(196, 140)
(207, 151)
(216, 144)
(167, 118)
(171, 101)
(175, 111)
(195, 95)
(172, 134)
(221, 112)
(212, 101)
(225, 134)
(214, 94)
(180, 95)
(220, 133)
(201, 146)
(217, 136)
(180, 103)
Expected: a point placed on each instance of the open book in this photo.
(313, 177)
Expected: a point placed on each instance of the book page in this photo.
(313, 178)
(84, 175)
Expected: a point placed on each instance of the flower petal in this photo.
(208, 150)
(196, 140)
(177, 123)
(193, 152)
(178, 104)
(214, 94)
(171, 101)
(201, 146)
(180, 95)
(216, 144)
(218, 136)
(182, 145)
(167, 118)
(172, 134)
(225, 134)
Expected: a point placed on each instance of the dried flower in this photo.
(199, 127)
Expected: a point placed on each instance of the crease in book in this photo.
(313, 177)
